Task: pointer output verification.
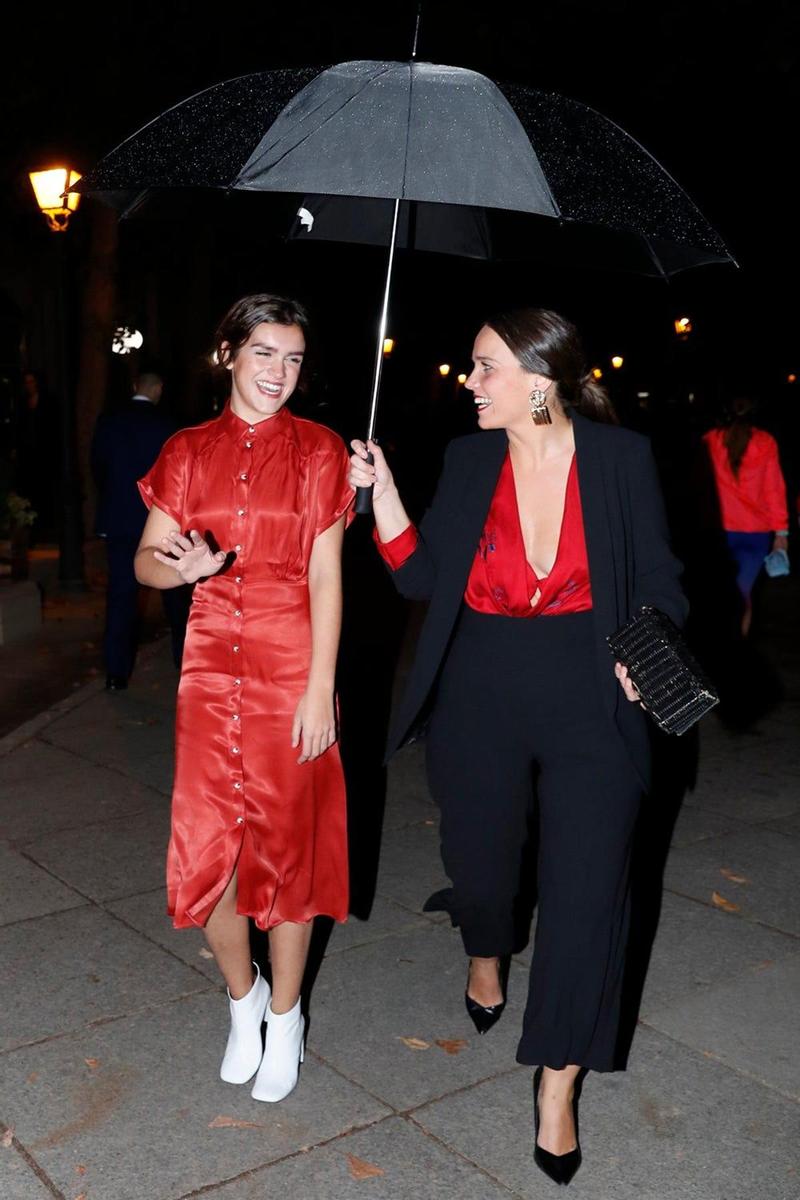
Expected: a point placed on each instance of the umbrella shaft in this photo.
(376, 382)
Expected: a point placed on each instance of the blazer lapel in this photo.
(479, 485)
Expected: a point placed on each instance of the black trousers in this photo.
(122, 609)
(515, 694)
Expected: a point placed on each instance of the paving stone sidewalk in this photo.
(112, 1024)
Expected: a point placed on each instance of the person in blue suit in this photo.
(125, 445)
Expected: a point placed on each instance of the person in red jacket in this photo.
(752, 496)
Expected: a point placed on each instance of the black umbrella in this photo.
(423, 133)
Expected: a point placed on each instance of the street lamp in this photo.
(683, 326)
(57, 203)
(617, 361)
(462, 379)
(444, 369)
(388, 346)
(53, 196)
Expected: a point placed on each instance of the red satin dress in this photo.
(240, 798)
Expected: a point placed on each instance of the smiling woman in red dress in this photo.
(252, 507)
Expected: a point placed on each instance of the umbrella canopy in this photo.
(419, 132)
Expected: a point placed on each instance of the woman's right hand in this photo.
(362, 474)
(191, 557)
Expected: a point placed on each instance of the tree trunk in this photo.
(97, 326)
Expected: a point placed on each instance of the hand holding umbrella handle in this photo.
(364, 494)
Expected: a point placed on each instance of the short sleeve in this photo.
(335, 496)
(165, 483)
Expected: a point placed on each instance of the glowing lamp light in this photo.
(56, 201)
(597, 373)
(444, 369)
(462, 379)
(388, 346)
(617, 361)
(683, 325)
(791, 379)
(125, 340)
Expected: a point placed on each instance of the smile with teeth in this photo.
(269, 389)
(481, 402)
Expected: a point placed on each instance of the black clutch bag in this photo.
(671, 683)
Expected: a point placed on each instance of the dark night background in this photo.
(710, 89)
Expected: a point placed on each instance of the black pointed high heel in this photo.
(559, 1167)
(484, 1016)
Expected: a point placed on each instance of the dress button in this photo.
(235, 649)
(238, 547)
(234, 749)
(237, 682)
(238, 579)
(235, 717)
(248, 444)
(243, 475)
(240, 512)
(251, 429)
(237, 786)
(238, 612)
(240, 820)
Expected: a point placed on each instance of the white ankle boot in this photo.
(244, 1048)
(283, 1052)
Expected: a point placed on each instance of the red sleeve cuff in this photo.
(399, 549)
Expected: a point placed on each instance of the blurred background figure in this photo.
(751, 493)
(125, 445)
(37, 435)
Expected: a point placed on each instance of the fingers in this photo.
(163, 558)
(297, 725)
(316, 743)
(179, 545)
(628, 686)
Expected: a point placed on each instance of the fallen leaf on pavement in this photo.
(232, 1123)
(92, 1063)
(204, 952)
(452, 1045)
(81, 1197)
(360, 1169)
(732, 876)
(721, 902)
(415, 1043)
(8, 1137)
(34, 1075)
(80, 1169)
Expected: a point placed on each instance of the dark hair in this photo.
(546, 343)
(251, 311)
(739, 421)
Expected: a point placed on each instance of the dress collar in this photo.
(239, 429)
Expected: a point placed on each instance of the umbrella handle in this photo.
(364, 494)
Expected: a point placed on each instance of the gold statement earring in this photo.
(540, 413)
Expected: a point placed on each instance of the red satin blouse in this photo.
(501, 580)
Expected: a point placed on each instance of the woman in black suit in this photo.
(546, 533)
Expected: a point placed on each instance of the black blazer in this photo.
(627, 544)
(125, 445)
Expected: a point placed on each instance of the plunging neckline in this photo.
(540, 579)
